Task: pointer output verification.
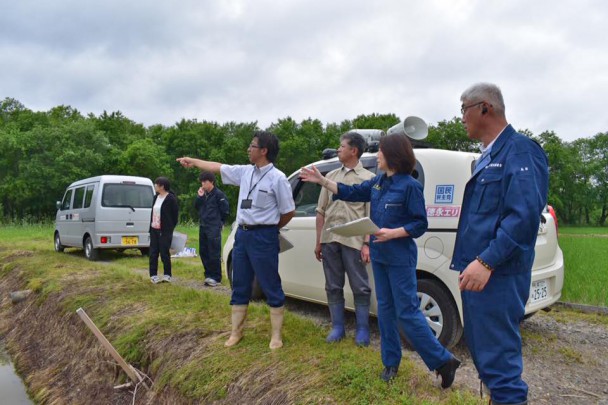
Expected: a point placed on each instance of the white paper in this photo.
(358, 227)
(284, 243)
(187, 252)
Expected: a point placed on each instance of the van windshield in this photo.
(127, 195)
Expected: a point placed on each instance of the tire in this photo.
(57, 243)
(90, 252)
(440, 311)
(256, 291)
(145, 251)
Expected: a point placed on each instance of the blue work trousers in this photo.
(398, 305)
(210, 245)
(256, 253)
(491, 330)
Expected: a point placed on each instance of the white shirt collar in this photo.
(488, 148)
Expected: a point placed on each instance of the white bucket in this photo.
(179, 241)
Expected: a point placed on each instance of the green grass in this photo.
(176, 333)
(589, 230)
(586, 265)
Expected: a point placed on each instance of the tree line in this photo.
(42, 152)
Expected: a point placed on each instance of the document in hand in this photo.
(284, 243)
(361, 226)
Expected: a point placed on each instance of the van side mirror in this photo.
(58, 204)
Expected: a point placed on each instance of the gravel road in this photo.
(565, 361)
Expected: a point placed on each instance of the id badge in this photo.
(246, 204)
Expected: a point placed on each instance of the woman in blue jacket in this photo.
(398, 209)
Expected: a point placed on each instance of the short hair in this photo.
(398, 153)
(269, 141)
(206, 176)
(163, 181)
(355, 140)
(488, 92)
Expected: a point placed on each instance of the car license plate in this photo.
(539, 291)
(129, 240)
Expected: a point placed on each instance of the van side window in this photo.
(306, 195)
(78, 197)
(66, 204)
(88, 196)
(306, 199)
(418, 173)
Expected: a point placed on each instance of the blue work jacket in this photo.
(502, 205)
(213, 209)
(396, 201)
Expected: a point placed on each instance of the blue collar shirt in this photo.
(396, 202)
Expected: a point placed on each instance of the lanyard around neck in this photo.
(258, 182)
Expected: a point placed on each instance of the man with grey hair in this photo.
(343, 255)
(494, 251)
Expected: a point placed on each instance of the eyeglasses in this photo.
(254, 146)
(464, 108)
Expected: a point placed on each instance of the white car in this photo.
(443, 175)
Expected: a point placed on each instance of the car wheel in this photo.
(256, 291)
(89, 251)
(440, 312)
(58, 246)
(145, 251)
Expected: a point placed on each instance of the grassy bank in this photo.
(175, 333)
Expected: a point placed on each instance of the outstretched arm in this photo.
(201, 164)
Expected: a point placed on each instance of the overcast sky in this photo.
(159, 61)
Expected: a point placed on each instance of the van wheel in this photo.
(58, 246)
(89, 251)
(440, 312)
(256, 291)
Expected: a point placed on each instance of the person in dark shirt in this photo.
(494, 250)
(213, 208)
(163, 220)
(397, 208)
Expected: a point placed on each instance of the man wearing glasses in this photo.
(342, 255)
(494, 250)
(265, 205)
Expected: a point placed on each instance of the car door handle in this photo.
(284, 229)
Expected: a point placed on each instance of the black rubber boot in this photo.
(448, 372)
(389, 373)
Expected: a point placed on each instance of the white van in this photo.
(105, 212)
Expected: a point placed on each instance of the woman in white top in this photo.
(162, 223)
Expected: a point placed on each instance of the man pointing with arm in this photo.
(265, 205)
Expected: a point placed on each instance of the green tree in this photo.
(375, 121)
(451, 135)
(599, 172)
(46, 160)
(144, 158)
